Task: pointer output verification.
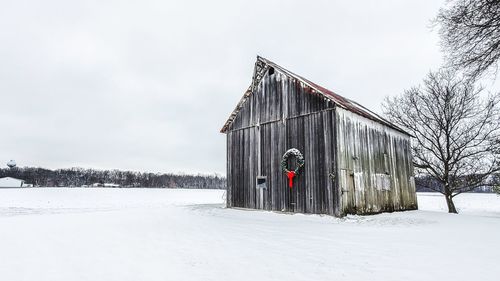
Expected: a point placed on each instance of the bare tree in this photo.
(470, 33)
(455, 132)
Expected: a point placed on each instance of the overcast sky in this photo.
(147, 85)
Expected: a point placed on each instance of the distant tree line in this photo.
(425, 183)
(76, 177)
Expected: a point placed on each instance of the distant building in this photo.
(11, 182)
(107, 184)
(484, 189)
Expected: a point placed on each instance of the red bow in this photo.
(290, 175)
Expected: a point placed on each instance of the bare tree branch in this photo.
(470, 33)
(456, 133)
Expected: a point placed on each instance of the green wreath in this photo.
(300, 160)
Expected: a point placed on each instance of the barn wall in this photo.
(281, 114)
(375, 171)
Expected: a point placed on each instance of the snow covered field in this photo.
(162, 234)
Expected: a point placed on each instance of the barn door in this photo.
(346, 183)
(261, 180)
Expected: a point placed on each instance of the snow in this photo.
(172, 234)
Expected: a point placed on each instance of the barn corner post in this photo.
(413, 187)
(337, 195)
(228, 172)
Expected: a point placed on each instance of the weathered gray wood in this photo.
(282, 114)
(365, 149)
(352, 164)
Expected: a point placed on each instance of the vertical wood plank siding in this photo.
(353, 165)
(281, 114)
(375, 166)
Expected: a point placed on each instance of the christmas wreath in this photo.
(284, 164)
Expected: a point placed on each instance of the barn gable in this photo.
(274, 95)
(280, 112)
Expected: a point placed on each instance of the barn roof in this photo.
(262, 65)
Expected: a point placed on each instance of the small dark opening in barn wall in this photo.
(271, 70)
(261, 182)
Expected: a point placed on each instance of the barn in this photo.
(294, 146)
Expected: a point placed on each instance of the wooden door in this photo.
(261, 180)
(346, 183)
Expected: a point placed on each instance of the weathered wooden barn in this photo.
(355, 162)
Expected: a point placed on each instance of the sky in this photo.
(147, 85)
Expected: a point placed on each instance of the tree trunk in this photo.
(451, 205)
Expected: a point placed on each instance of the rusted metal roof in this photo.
(263, 65)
